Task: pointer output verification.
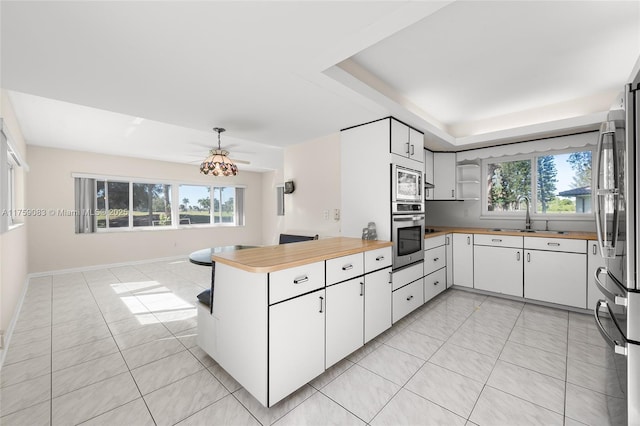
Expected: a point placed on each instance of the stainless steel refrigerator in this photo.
(617, 314)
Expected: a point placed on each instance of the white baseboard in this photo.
(12, 324)
(106, 265)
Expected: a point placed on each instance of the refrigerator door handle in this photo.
(619, 347)
(618, 299)
(607, 250)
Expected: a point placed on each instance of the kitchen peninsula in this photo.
(283, 314)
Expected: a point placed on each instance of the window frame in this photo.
(535, 215)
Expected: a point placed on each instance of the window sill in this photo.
(162, 228)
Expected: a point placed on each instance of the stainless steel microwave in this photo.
(406, 184)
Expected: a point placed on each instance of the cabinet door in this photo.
(556, 277)
(594, 261)
(345, 319)
(377, 303)
(444, 175)
(449, 249)
(416, 145)
(498, 269)
(428, 174)
(400, 143)
(296, 343)
(463, 260)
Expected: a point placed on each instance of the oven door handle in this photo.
(405, 219)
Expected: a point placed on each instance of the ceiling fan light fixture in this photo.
(217, 162)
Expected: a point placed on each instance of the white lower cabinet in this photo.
(344, 319)
(434, 284)
(377, 303)
(556, 277)
(498, 269)
(296, 343)
(463, 260)
(407, 299)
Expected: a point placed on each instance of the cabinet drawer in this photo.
(432, 242)
(498, 240)
(434, 284)
(407, 298)
(344, 268)
(291, 282)
(406, 275)
(377, 259)
(434, 259)
(555, 244)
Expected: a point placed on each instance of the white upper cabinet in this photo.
(444, 175)
(406, 141)
(428, 174)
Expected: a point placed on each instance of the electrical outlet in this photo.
(336, 214)
(326, 215)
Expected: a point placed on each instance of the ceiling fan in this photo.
(212, 151)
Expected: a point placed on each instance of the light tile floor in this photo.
(117, 347)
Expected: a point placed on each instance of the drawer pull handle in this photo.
(595, 249)
(379, 258)
(436, 283)
(435, 259)
(361, 289)
(410, 297)
(321, 299)
(554, 244)
(518, 256)
(347, 267)
(301, 280)
(496, 240)
(528, 257)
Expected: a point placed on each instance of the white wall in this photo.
(272, 224)
(314, 167)
(54, 245)
(13, 243)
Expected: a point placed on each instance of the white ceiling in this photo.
(150, 79)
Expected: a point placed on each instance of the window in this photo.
(224, 205)
(280, 200)
(151, 204)
(506, 182)
(131, 204)
(557, 183)
(11, 197)
(195, 204)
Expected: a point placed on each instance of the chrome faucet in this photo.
(527, 222)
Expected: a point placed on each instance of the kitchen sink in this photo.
(529, 231)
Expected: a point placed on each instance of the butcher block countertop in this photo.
(284, 256)
(575, 235)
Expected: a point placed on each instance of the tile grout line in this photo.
(123, 359)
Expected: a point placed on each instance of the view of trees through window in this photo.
(562, 183)
(151, 205)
